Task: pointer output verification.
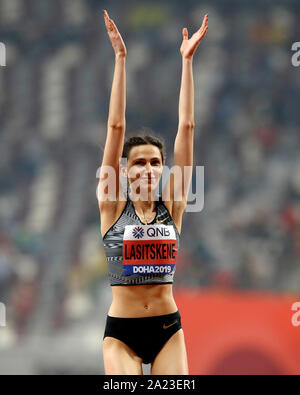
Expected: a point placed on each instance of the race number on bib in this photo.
(149, 249)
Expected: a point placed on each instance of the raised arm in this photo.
(183, 147)
(116, 123)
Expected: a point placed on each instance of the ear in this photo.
(123, 171)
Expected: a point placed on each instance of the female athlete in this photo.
(141, 231)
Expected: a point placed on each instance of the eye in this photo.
(156, 162)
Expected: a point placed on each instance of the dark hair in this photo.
(144, 139)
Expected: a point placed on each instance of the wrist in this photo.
(187, 58)
(120, 56)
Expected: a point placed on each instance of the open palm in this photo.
(189, 46)
(114, 35)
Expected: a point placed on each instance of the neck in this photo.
(145, 205)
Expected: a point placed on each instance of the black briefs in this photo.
(144, 335)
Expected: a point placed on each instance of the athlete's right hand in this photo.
(115, 36)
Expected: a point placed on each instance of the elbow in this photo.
(191, 125)
(188, 125)
(117, 125)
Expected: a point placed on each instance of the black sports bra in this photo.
(138, 253)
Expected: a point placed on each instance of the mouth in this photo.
(148, 179)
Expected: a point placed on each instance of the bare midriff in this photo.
(142, 300)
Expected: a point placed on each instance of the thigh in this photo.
(172, 358)
(119, 358)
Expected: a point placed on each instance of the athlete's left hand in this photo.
(189, 46)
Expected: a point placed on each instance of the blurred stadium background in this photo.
(238, 272)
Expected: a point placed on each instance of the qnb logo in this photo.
(156, 232)
(2, 54)
(296, 316)
(2, 314)
(138, 232)
(296, 55)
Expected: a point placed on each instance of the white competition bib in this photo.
(149, 249)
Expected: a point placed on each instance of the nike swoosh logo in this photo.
(159, 222)
(167, 326)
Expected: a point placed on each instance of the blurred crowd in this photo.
(54, 98)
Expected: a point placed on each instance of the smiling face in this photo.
(145, 165)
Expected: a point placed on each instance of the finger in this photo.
(108, 21)
(202, 31)
(201, 34)
(109, 27)
(204, 22)
(114, 27)
(109, 24)
(185, 33)
(106, 17)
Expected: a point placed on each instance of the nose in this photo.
(149, 168)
